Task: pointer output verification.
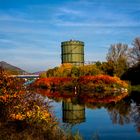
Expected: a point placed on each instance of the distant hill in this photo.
(38, 73)
(12, 69)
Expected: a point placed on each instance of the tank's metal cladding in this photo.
(73, 113)
(72, 52)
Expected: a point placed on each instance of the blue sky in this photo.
(31, 31)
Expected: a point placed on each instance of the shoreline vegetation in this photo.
(93, 84)
(27, 115)
(86, 89)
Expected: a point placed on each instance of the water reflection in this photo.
(119, 112)
(73, 113)
(135, 109)
(124, 111)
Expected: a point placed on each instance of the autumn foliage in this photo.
(69, 70)
(14, 95)
(102, 82)
(25, 114)
(54, 82)
(10, 88)
(94, 83)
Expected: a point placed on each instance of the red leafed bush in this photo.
(103, 80)
(53, 81)
(94, 83)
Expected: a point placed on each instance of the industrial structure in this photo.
(73, 113)
(72, 52)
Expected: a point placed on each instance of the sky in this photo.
(31, 31)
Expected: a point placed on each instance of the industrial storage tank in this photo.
(72, 52)
(73, 113)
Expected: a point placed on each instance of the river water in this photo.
(100, 121)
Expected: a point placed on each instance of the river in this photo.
(100, 121)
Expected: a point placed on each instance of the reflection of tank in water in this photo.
(73, 113)
(72, 52)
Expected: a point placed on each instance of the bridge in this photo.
(26, 76)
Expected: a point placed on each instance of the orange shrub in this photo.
(10, 88)
(99, 82)
(53, 81)
(102, 79)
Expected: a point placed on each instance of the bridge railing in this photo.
(25, 76)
